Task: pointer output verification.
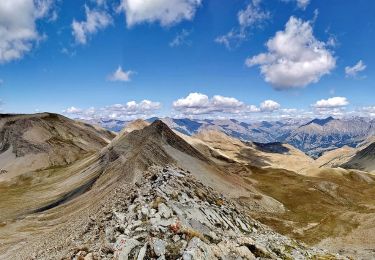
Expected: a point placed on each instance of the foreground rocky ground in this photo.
(170, 215)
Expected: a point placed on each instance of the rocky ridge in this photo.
(170, 215)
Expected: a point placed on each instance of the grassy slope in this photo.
(314, 204)
(27, 192)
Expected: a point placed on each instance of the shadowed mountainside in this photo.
(364, 159)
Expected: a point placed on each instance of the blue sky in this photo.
(194, 58)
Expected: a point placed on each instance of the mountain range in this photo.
(150, 192)
(313, 137)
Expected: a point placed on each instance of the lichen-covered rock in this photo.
(197, 249)
(158, 246)
(164, 211)
(124, 246)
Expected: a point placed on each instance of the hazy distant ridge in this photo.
(313, 137)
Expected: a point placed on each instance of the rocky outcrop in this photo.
(173, 216)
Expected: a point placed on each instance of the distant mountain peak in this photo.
(135, 125)
(160, 127)
(155, 137)
(322, 121)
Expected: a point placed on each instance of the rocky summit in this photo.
(171, 215)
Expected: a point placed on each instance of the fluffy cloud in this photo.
(43, 8)
(166, 12)
(303, 3)
(193, 100)
(370, 109)
(300, 3)
(295, 58)
(181, 39)
(127, 111)
(200, 104)
(334, 106)
(73, 110)
(334, 102)
(95, 21)
(354, 70)
(269, 106)
(18, 30)
(336, 112)
(121, 75)
(252, 15)
(100, 2)
(367, 111)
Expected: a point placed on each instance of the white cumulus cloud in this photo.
(370, 109)
(295, 58)
(252, 15)
(196, 104)
(199, 104)
(300, 3)
(303, 3)
(269, 106)
(100, 2)
(127, 111)
(367, 111)
(193, 100)
(18, 29)
(166, 12)
(121, 75)
(333, 102)
(354, 70)
(95, 21)
(72, 110)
